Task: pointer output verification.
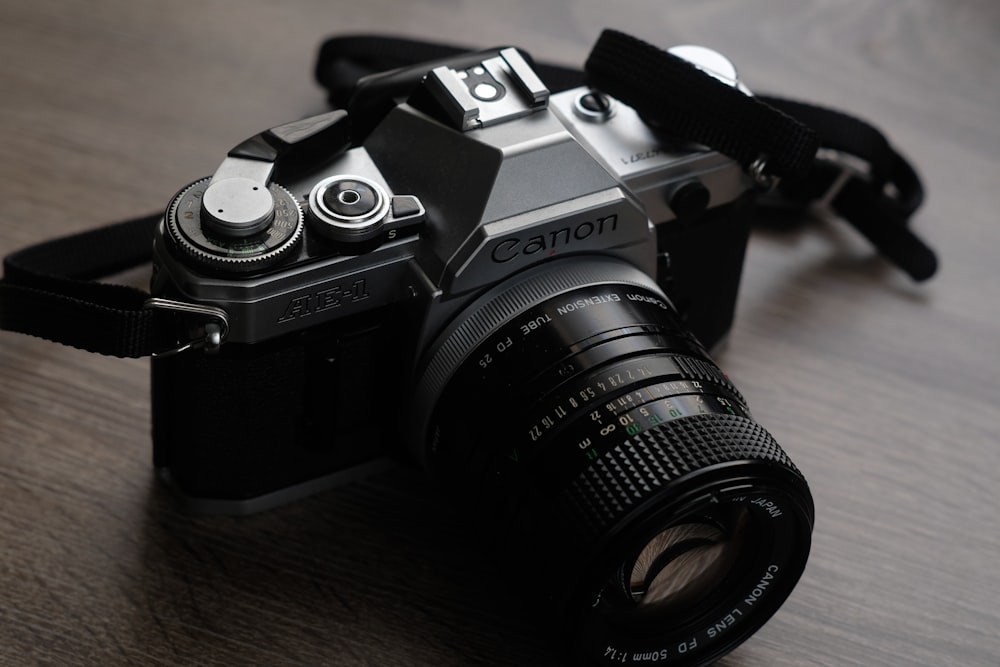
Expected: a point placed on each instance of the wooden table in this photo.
(884, 392)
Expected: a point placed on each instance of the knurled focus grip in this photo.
(637, 469)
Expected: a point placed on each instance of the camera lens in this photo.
(683, 563)
(620, 471)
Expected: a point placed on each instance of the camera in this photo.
(516, 291)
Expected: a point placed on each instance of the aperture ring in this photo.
(606, 384)
(629, 342)
(698, 369)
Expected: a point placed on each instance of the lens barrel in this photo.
(620, 472)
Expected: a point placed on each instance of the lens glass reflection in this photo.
(683, 564)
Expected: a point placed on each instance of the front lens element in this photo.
(617, 466)
(685, 563)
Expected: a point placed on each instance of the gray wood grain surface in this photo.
(885, 393)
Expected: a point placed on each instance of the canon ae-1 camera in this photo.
(515, 290)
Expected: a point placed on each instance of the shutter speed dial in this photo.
(235, 224)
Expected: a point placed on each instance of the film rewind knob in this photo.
(237, 207)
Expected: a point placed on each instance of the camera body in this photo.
(337, 282)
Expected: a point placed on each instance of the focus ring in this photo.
(632, 472)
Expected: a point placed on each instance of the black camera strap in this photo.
(819, 155)
(50, 290)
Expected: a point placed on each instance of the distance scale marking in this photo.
(617, 421)
(661, 376)
(627, 414)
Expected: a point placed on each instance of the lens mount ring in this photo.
(451, 348)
